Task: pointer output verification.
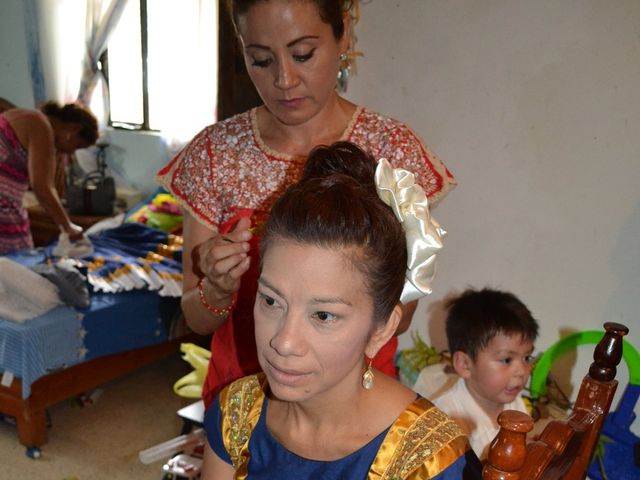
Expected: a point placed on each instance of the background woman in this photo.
(228, 177)
(328, 299)
(29, 142)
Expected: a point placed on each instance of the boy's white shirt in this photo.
(459, 404)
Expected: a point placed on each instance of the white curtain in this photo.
(100, 23)
(71, 35)
(65, 39)
(56, 38)
(183, 68)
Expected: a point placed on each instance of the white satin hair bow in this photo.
(398, 189)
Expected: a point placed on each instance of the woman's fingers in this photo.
(218, 249)
(240, 269)
(241, 232)
(225, 265)
(224, 257)
(75, 232)
(226, 274)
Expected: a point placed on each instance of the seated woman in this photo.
(334, 258)
(29, 142)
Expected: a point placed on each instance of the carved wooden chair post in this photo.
(565, 447)
(508, 449)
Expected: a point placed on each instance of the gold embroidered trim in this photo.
(241, 404)
(421, 443)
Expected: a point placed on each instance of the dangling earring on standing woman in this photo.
(343, 73)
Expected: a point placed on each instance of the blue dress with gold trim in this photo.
(423, 443)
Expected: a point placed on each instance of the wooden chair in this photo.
(565, 447)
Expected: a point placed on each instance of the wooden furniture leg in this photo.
(30, 413)
(31, 425)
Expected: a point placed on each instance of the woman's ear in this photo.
(383, 333)
(346, 35)
(462, 364)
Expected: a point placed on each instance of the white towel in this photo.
(23, 293)
(78, 249)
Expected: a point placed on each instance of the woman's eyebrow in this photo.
(289, 45)
(334, 300)
(302, 39)
(266, 284)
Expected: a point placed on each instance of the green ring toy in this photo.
(539, 375)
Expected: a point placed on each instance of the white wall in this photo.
(135, 157)
(535, 107)
(15, 79)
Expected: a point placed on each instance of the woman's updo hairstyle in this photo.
(74, 113)
(335, 205)
(331, 12)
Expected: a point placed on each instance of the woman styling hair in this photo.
(29, 142)
(334, 260)
(230, 174)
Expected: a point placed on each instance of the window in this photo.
(161, 66)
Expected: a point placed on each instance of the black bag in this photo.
(96, 195)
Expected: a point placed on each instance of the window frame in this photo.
(236, 92)
(144, 50)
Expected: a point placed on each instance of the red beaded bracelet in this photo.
(220, 312)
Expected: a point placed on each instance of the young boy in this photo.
(490, 335)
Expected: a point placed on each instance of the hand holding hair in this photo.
(223, 260)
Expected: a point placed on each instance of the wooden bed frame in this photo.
(30, 413)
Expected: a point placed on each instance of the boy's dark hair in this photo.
(476, 316)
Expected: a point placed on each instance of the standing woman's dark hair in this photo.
(335, 205)
(331, 12)
(74, 113)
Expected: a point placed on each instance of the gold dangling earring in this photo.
(367, 377)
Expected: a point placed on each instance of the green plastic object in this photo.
(538, 385)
